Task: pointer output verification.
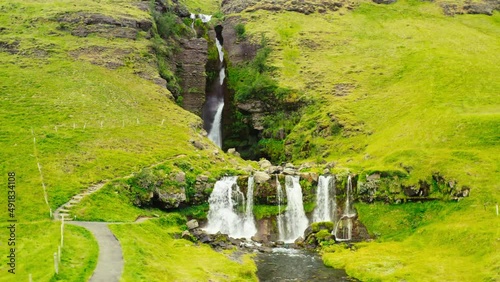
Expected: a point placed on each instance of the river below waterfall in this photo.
(296, 265)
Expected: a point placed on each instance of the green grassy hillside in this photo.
(393, 87)
(83, 109)
(401, 87)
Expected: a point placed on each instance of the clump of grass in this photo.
(240, 31)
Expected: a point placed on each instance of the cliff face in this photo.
(190, 64)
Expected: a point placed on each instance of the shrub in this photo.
(240, 31)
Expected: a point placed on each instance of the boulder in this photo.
(289, 171)
(384, 1)
(206, 239)
(186, 235)
(299, 242)
(261, 177)
(192, 224)
(198, 145)
(171, 199)
(180, 177)
(233, 152)
(265, 249)
(273, 169)
(264, 164)
(202, 178)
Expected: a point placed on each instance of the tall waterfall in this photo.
(216, 101)
(343, 228)
(226, 213)
(295, 219)
(325, 200)
(280, 217)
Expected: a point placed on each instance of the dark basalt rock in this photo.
(9, 47)
(190, 63)
(384, 1)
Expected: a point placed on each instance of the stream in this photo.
(296, 265)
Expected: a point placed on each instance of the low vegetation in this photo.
(153, 255)
(404, 88)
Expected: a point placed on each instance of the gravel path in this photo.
(110, 262)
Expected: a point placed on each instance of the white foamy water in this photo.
(225, 205)
(325, 200)
(295, 219)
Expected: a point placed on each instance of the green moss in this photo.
(323, 235)
(317, 226)
(263, 211)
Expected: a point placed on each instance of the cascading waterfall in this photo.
(325, 200)
(216, 101)
(295, 218)
(279, 218)
(225, 214)
(193, 17)
(343, 228)
(215, 132)
(348, 211)
(249, 221)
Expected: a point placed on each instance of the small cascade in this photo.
(226, 210)
(280, 217)
(193, 17)
(249, 221)
(214, 105)
(348, 211)
(205, 18)
(219, 50)
(343, 228)
(295, 219)
(325, 200)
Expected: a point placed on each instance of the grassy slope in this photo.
(44, 87)
(425, 96)
(152, 255)
(35, 246)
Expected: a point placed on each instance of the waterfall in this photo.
(205, 18)
(343, 228)
(219, 50)
(348, 199)
(279, 218)
(225, 209)
(193, 17)
(295, 218)
(216, 131)
(325, 200)
(216, 101)
(249, 222)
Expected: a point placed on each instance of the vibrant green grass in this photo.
(422, 95)
(424, 87)
(415, 243)
(202, 6)
(152, 255)
(36, 244)
(90, 124)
